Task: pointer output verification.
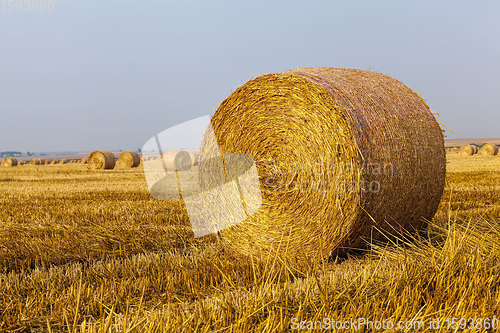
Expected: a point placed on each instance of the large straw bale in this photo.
(343, 156)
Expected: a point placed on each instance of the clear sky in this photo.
(111, 74)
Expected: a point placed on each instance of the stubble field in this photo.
(89, 251)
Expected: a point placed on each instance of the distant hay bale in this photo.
(128, 159)
(343, 156)
(177, 160)
(101, 160)
(488, 149)
(468, 150)
(195, 156)
(9, 162)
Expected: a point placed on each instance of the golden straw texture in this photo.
(342, 154)
(99, 160)
(128, 159)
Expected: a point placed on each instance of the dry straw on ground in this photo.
(128, 159)
(101, 160)
(488, 149)
(468, 150)
(341, 155)
(9, 162)
(177, 160)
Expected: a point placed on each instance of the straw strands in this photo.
(342, 154)
(128, 159)
(101, 160)
(488, 149)
(9, 162)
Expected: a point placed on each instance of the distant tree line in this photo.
(10, 153)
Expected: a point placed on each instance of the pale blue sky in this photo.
(111, 74)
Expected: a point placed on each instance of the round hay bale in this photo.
(177, 160)
(9, 162)
(101, 160)
(128, 159)
(344, 156)
(488, 149)
(468, 150)
(195, 157)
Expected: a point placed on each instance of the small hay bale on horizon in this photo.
(9, 162)
(101, 160)
(468, 150)
(488, 149)
(177, 160)
(128, 160)
(195, 156)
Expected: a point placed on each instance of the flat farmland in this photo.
(89, 251)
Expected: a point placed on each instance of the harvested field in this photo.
(97, 250)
